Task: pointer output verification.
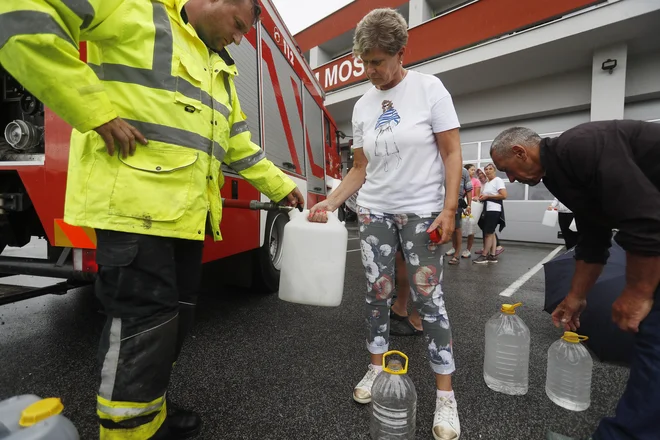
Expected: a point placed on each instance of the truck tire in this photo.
(268, 258)
(341, 213)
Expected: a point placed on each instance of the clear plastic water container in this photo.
(393, 402)
(29, 417)
(313, 261)
(506, 360)
(568, 378)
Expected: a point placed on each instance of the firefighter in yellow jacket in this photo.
(155, 113)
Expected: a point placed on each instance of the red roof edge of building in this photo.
(340, 21)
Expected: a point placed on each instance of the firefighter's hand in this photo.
(295, 199)
(123, 133)
(319, 212)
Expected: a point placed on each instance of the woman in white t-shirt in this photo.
(492, 193)
(407, 167)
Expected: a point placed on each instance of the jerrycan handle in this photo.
(405, 367)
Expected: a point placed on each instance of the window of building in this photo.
(470, 152)
(478, 154)
(443, 7)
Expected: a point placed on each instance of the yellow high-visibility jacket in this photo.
(147, 66)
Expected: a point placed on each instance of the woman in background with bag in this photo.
(481, 176)
(493, 194)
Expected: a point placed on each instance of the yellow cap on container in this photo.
(574, 338)
(40, 410)
(510, 309)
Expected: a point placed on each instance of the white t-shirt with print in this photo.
(491, 188)
(395, 128)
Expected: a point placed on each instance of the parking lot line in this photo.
(530, 273)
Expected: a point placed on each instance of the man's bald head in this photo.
(505, 141)
(515, 152)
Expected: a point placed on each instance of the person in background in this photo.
(474, 195)
(565, 219)
(493, 194)
(499, 249)
(407, 167)
(619, 161)
(464, 189)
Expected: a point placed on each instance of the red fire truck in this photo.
(286, 116)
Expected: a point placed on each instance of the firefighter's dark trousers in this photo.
(148, 288)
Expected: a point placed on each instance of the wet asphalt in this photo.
(256, 367)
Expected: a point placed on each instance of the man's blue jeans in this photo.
(638, 411)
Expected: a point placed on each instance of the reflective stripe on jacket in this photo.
(147, 66)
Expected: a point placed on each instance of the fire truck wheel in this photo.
(341, 213)
(268, 259)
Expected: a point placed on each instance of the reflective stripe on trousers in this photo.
(112, 414)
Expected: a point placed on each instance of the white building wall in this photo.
(643, 76)
(551, 94)
(608, 88)
(643, 111)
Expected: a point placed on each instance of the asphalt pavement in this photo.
(256, 367)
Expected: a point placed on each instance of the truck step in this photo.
(10, 293)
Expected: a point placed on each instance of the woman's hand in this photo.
(446, 221)
(484, 197)
(319, 212)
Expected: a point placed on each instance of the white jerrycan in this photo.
(550, 218)
(313, 261)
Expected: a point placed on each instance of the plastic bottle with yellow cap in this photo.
(29, 417)
(568, 378)
(506, 359)
(393, 401)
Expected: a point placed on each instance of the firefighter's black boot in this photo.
(180, 424)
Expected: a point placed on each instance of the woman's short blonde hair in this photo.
(383, 29)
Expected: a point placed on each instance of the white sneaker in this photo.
(362, 392)
(446, 425)
(450, 252)
(466, 254)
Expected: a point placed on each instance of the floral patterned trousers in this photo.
(381, 236)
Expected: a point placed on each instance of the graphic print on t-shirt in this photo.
(385, 143)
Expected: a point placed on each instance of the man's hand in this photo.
(123, 133)
(567, 313)
(295, 199)
(483, 197)
(446, 221)
(630, 309)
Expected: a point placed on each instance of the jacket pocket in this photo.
(189, 83)
(153, 185)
